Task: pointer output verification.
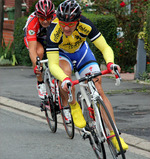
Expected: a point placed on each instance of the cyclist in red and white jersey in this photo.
(35, 37)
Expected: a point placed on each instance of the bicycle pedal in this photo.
(57, 111)
(85, 136)
(45, 102)
(120, 153)
(87, 128)
(41, 107)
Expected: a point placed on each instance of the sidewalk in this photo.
(127, 76)
(124, 76)
(8, 104)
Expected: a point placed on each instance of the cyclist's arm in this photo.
(33, 51)
(53, 61)
(31, 30)
(106, 50)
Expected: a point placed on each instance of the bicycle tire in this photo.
(86, 112)
(50, 111)
(97, 146)
(101, 106)
(69, 127)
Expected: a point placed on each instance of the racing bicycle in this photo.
(52, 104)
(96, 115)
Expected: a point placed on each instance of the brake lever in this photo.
(117, 75)
(70, 97)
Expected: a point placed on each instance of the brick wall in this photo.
(9, 3)
(8, 26)
(8, 37)
(8, 31)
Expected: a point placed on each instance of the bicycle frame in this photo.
(93, 102)
(55, 90)
(94, 94)
(55, 101)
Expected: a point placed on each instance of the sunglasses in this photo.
(45, 18)
(69, 24)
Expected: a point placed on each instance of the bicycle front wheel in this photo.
(69, 127)
(108, 122)
(51, 116)
(50, 111)
(95, 142)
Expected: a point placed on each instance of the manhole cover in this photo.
(140, 113)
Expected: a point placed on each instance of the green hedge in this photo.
(107, 25)
(21, 52)
(147, 40)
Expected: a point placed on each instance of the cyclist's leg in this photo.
(67, 70)
(105, 99)
(110, 109)
(89, 65)
(66, 111)
(76, 111)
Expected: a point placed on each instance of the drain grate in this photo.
(140, 113)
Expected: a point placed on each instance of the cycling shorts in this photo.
(85, 60)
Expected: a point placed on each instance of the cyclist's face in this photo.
(68, 28)
(45, 22)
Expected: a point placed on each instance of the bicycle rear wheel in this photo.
(96, 144)
(108, 120)
(69, 127)
(50, 111)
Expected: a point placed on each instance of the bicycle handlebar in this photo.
(117, 75)
(90, 77)
(39, 62)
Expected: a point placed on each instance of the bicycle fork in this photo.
(87, 132)
(93, 110)
(99, 124)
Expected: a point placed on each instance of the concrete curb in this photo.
(130, 139)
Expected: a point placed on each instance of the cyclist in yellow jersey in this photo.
(66, 41)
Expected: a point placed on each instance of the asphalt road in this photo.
(27, 136)
(130, 100)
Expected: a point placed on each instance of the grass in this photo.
(143, 90)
